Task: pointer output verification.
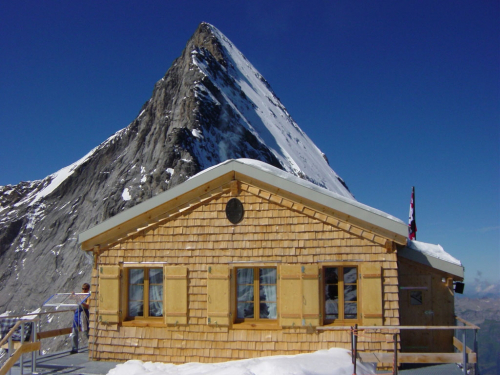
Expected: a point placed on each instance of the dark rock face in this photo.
(190, 123)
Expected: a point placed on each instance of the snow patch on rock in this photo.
(126, 195)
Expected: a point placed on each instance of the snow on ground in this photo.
(334, 361)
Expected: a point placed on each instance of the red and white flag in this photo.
(412, 224)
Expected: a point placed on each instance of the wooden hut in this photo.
(244, 260)
(426, 296)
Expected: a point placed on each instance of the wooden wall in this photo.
(437, 308)
(273, 229)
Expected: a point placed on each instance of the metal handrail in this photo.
(396, 330)
(35, 314)
(466, 326)
(347, 328)
(6, 367)
(34, 319)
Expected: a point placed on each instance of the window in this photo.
(341, 293)
(145, 289)
(234, 210)
(416, 297)
(256, 294)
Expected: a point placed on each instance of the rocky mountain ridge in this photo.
(477, 310)
(211, 105)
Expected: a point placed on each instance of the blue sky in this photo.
(396, 93)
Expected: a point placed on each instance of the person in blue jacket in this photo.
(80, 320)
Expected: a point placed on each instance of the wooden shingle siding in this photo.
(275, 231)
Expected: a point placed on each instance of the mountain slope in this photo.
(211, 105)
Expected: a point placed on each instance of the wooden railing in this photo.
(20, 350)
(17, 349)
(465, 355)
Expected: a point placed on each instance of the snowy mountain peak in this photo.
(212, 105)
(235, 83)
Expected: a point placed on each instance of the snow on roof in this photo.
(307, 184)
(260, 172)
(333, 361)
(432, 250)
(433, 256)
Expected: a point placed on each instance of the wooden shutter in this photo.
(371, 294)
(290, 295)
(175, 295)
(109, 294)
(218, 288)
(310, 295)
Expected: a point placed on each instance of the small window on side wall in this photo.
(416, 297)
(145, 293)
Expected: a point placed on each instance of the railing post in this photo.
(476, 347)
(34, 329)
(395, 365)
(10, 352)
(464, 351)
(354, 346)
(21, 360)
(353, 351)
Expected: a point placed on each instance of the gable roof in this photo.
(253, 172)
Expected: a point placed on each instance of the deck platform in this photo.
(66, 363)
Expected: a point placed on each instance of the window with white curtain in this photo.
(256, 294)
(145, 292)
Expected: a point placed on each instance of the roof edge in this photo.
(429, 260)
(151, 203)
(325, 197)
(265, 173)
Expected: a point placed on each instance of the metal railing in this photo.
(465, 354)
(12, 356)
(461, 346)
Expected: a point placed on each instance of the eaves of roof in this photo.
(251, 170)
(429, 260)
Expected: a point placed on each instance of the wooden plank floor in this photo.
(416, 357)
(442, 369)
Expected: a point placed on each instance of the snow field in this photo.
(333, 361)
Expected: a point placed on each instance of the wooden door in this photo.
(415, 296)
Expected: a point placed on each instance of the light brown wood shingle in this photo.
(275, 231)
